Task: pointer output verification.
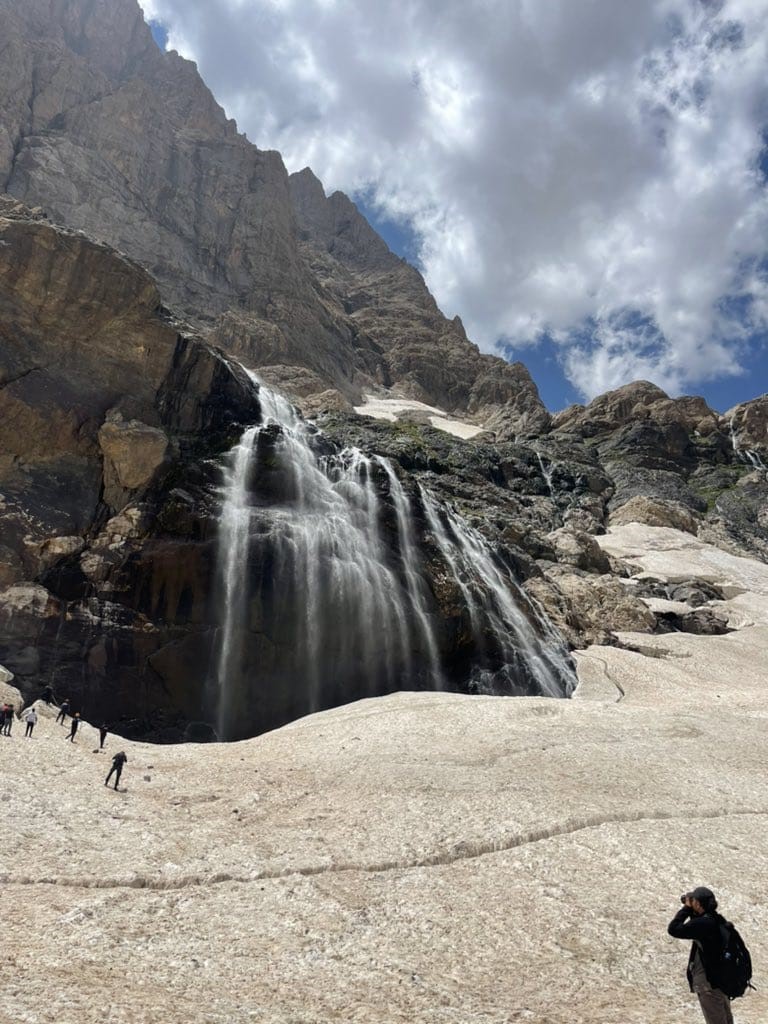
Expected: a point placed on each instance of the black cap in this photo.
(704, 896)
(701, 894)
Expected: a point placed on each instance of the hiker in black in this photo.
(699, 921)
(9, 715)
(103, 730)
(63, 711)
(117, 767)
(73, 727)
(48, 694)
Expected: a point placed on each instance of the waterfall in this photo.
(417, 589)
(528, 651)
(546, 472)
(732, 432)
(745, 454)
(234, 528)
(324, 593)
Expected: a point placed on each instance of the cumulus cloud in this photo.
(581, 171)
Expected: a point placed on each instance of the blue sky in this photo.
(159, 34)
(583, 182)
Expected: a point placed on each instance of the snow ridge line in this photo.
(462, 851)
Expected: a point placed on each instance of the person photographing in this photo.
(719, 962)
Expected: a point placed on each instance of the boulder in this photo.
(588, 608)
(133, 452)
(748, 425)
(8, 693)
(579, 550)
(655, 512)
(700, 621)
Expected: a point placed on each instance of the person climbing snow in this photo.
(117, 767)
(31, 719)
(63, 711)
(8, 719)
(103, 730)
(73, 727)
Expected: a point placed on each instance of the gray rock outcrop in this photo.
(126, 143)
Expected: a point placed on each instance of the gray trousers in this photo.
(716, 1006)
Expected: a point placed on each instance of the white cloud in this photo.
(583, 169)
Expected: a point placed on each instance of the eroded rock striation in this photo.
(105, 410)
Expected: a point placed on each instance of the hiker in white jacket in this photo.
(31, 719)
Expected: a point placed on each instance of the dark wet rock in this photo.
(692, 592)
(701, 621)
(131, 420)
(738, 521)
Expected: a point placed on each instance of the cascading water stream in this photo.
(546, 472)
(755, 460)
(745, 454)
(234, 529)
(495, 602)
(324, 593)
(413, 573)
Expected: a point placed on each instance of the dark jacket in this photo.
(704, 929)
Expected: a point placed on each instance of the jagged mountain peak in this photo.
(127, 144)
(335, 223)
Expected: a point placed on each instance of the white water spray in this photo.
(745, 454)
(234, 532)
(546, 472)
(317, 607)
(495, 602)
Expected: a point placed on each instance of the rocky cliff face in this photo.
(105, 413)
(122, 141)
(121, 390)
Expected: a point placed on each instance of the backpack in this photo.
(735, 966)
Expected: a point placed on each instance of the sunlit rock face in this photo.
(127, 144)
(103, 405)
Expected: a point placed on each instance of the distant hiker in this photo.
(73, 727)
(31, 719)
(63, 711)
(117, 767)
(719, 965)
(103, 730)
(8, 720)
(3, 711)
(48, 694)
